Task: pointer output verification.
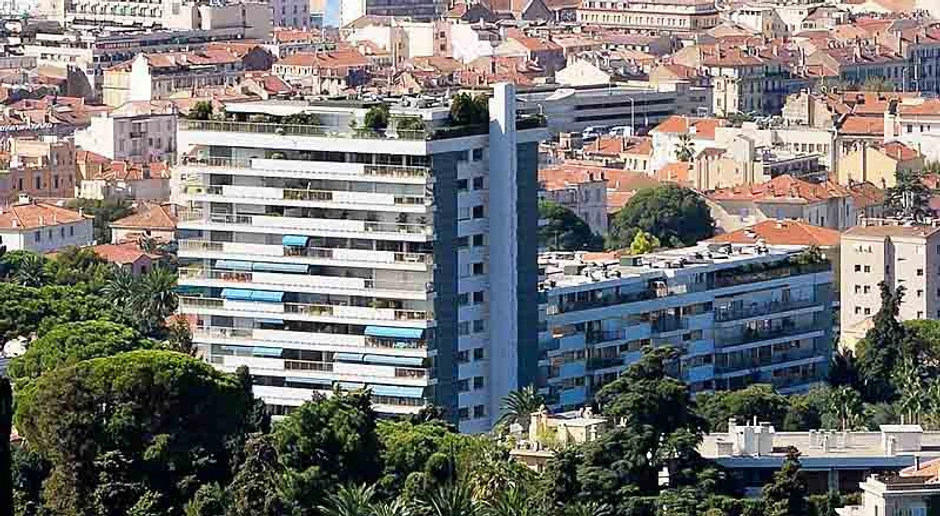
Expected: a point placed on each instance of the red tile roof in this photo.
(121, 253)
(676, 172)
(347, 58)
(783, 188)
(678, 124)
(782, 232)
(899, 151)
(149, 216)
(32, 216)
(563, 176)
(615, 146)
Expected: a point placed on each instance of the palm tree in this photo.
(156, 299)
(846, 405)
(451, 500)
(587, 509)
(685, 149)
(349, 501)
(148, 244)
(511, 502)
(121, 288)
(394, 508)
(518, 406)
(31, 271)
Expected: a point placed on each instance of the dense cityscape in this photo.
(469, 258)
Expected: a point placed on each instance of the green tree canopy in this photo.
(105, 212)
(377, 117)
(643, 243)
(786, 495)
(201, 110)
(565, 231)
(70, 343)
(909, 198)
(675, 215)
(156, 419)
(880, 350)
(466, 109)
(757, 400)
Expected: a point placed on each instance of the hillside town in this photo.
(469, 257)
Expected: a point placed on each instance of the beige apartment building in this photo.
(901, 255)
(651, 16)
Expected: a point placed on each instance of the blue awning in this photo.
(267, 296)
(389, 332)
(270, 321)
(233, 265)
(347, 357)
(394, 360)
(236, 294)
(189, 289)
(350, 386)
(295, 240)
(267, 352)
(321, 381)
(397, 391)
(298, 268)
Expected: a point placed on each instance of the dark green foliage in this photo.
(165, 422)
(70, 343)
(6, 458)
(105, 212)
(301, 119)
(757, 400)
(880, 350)
(209, 500)
(78, 266)
(28, 471)
(341, 428)
(565, 231)
(408, 448)
(468, 110)
(909, 198)
(377, 117)
(409, 124)
(201, 110)
(25, 310)
(675, 215)
(254, 491)
(786, 495)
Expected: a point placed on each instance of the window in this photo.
(463, 299)
(463, 242)
(858, 289)
(867, 289)
(38, 236)
(61, 232)
(463, 385)
(858, 268)
(463, 413)
(478, 354)
(477, 240)
(71, 230)
(920, 272)
(463, 328)
(477, 383)
(479, 326)
(868, 268)
(478, 297)
(461, 157)
(477, 183)
(868, 311)
(477, 269)
(479, 411)
(858, 310)
(478, 212)
(38, 181)
(463, 357)
(920, 293)
(477, 154)
(461, 185)
(920, 315)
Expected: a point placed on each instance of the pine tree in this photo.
(786, 495)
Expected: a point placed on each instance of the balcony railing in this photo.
(368, 169)
(762, 309)
(605, 300)
(295, 280)
(322, 131)
(758, 273)
(297, 194)
(732, 365)
(248, 335)
(307, 309)
(248, 220)
(306, 252)
(751, 335)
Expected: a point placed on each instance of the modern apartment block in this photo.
(334, 256)
(739, 314)
(898, 253)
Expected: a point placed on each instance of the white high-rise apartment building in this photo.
(324, 256)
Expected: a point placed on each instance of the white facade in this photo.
(46, 239)
(134, 133)
(341, 261)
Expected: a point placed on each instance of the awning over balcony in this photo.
(297, 268)
(348, 357)
(270, 321)
(236, 294)
(233, 265)
(350, 386)
(387, 332)
(267, 296)
(394, 360)
(267, 352)
(398, 391)
(295, 240)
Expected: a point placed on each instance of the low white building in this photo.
(139, 132)
(43, 228)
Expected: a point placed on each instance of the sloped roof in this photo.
(782, 232)
(152, 216)
(783, 188)
(678, 124)
(32, 216)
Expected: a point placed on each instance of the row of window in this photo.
(465, 385)
(479, 297)
(479, 411)
(37, 236)
(463, 357)
(464, 329)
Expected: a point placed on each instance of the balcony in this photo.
(359, 313)
(324, 198)
(759, 309)
(603, 301)
(733, 365)
(595, 363)
(757, 273)
(392, 230)
(300, 168)
(341, 255)
(751, 335)
(299, 281)
(246, 336)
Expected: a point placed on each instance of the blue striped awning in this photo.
(397, 391)
(298, 268)
(267, 296)
(233, 265)
(348, 357)
(295, 240)
(267, 352)
(394, 360)
(394, 333)
(350, 386)
(236, 294)
(270, 321)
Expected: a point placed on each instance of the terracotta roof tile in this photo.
(783, 188)
(31, 216)
(782, 232)
(120, 253)
(335, 59)
(153, 216)
(678, 124)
